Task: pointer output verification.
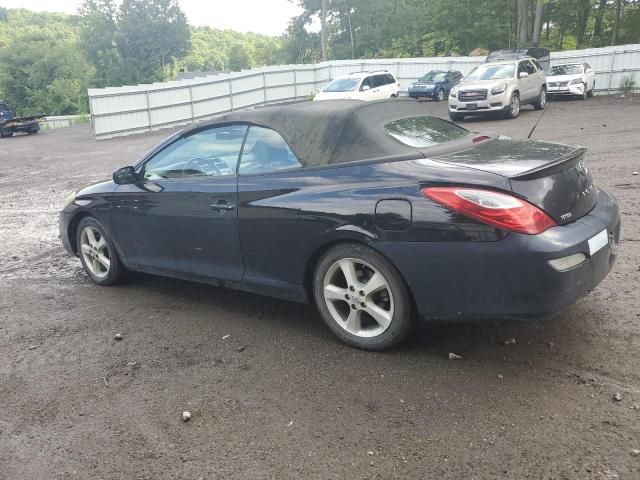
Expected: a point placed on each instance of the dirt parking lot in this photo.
(271, 392)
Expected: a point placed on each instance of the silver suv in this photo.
(500, 86)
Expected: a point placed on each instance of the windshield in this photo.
(433, 76)
(492, 72)
(424, 131)
(343, 85)
(565, 70)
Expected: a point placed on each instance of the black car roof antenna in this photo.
(540, 117)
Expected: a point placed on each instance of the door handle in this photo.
(222, 205)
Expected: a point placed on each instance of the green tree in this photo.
(98, 37)
(45, 72)
(152, 35)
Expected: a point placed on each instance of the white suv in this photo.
(500, 86)
(361, 86)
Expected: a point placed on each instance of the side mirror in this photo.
(523, 74)
(365, 88)
(124, 176)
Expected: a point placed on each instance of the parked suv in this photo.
(577, 79)
(361, 86)
(500, 86)
(435, 85)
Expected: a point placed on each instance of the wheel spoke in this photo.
(91, 237)
(86, 249)
(349, 271)
(375, 283)
(381, 316)
(334, 293)
(104, 261)
(101, 243)
(354, 323)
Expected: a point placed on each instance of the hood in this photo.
(482, 84)
(106, 186)
(563, 78)
(336, 95)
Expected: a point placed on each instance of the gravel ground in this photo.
(272, 394)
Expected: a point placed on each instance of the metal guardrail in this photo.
(126, 110)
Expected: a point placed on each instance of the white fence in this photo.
(132, 109)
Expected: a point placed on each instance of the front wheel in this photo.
(362, 297)
(541, 102)
(439, 96)
(514, 106)
(4, 133)
(593, 88)
(97, 253)
(585, 93)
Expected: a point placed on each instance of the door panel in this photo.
(181, 214)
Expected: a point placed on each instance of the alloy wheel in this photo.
(95, 252)
(358, 297)
(440, 95)
(515, 105)
(543, 98)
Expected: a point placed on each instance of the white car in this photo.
(577, 79)
(361, 86)
(500, 87)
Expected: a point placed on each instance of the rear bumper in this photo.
(511, 278)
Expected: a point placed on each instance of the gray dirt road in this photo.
(280, 397)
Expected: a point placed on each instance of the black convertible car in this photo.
(373, 210)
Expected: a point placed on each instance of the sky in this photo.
(269, 17)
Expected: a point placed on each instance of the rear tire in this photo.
(4, 133)
(456, 117)
(593, 88)
(97, 253)
(362, 298)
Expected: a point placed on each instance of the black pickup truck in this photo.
(10, 124)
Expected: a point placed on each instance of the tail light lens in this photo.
(493, 208)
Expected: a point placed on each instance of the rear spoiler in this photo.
(560, 164)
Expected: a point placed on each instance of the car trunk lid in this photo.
(551, 176)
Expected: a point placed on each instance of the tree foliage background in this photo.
(47, 61)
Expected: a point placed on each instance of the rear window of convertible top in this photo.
(424, 131)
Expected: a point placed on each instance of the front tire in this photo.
(585, 93)
(97, 253)
(439, 96)
(514, 106)
(542, 100)
(4, 133)
(593, 88)
(362, 297)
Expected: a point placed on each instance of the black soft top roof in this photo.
(333, 131)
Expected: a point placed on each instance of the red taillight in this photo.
(487, 206)
(481, 138)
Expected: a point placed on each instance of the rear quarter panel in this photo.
(287, 218)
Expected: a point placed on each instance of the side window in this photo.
(390, 79)
(538, 66)
(366, 82)
(587, 67)
(378, 81)
(266, 151)
(209, 153)
(529, 68)
(521, 68)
